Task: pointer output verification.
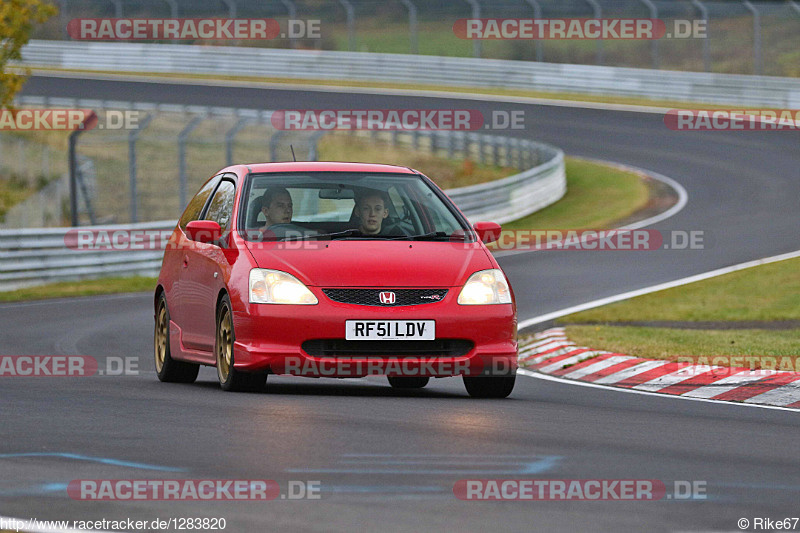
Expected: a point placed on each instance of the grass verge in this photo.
(671, 344)
(597, 196)
(759, 296)
(67, 289)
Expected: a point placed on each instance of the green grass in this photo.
(12, 191)
(67, 289)
(761, 294)
(597, 196)
(671, 344)
(767, 292)
(447, 173)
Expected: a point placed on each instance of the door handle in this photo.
(185, 261)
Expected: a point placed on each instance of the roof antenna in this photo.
(293, 157)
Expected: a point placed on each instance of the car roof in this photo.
(327, 166)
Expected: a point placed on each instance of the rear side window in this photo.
(195, 206)
(221, 207)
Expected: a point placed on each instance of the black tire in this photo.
(231, 379)
(168, 369)
(402, 382)
(489, 386)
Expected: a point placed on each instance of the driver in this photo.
(371, 210)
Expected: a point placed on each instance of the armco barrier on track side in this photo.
(36, 256)
(766, 91)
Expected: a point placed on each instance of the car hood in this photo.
(352, 263)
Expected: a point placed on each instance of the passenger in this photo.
(276, 204)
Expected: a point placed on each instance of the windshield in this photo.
(339, 205)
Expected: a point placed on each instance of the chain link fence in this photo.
(743, 37)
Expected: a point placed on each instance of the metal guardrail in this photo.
(435, 70)
(37, 256)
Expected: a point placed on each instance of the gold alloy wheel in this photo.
(224, 345)
(161, 337)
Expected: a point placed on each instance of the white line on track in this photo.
(655, 288)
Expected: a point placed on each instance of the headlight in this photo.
(276, 287)
(485, 287)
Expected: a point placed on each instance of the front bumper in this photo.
(272, 336)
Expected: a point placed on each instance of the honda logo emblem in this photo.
(387, 297)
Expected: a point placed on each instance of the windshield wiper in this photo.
(434, 236)
(346, 233)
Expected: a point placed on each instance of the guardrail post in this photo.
(756, 36)
(62, 14)
(351, 24)
(230, 136)
(132, 138)
(21, 156)
(537, 13)
(273, 145)
(173, 8)
(415, 139)
(451, 144)
(654, 42)
(117, 8)
(706, 42)
(496, 151)
(312, 145)
(292, 9)
(73, 167)
(476, 14)
(412, 25)
(482, 148)
(231, 8)
(182, 136)
(598, 14)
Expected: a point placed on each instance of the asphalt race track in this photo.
(387, 459)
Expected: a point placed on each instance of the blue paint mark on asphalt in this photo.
(54, 487)
(101, 460)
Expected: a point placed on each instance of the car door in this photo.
(204, 273)
(176, 256)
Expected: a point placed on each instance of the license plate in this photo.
(390, 330)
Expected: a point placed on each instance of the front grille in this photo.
(372, 296)
(345, 348)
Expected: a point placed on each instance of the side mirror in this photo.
(206, 231)
(487, 231)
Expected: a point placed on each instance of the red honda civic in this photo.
(333, 270)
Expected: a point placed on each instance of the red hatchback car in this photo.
(333, 270)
